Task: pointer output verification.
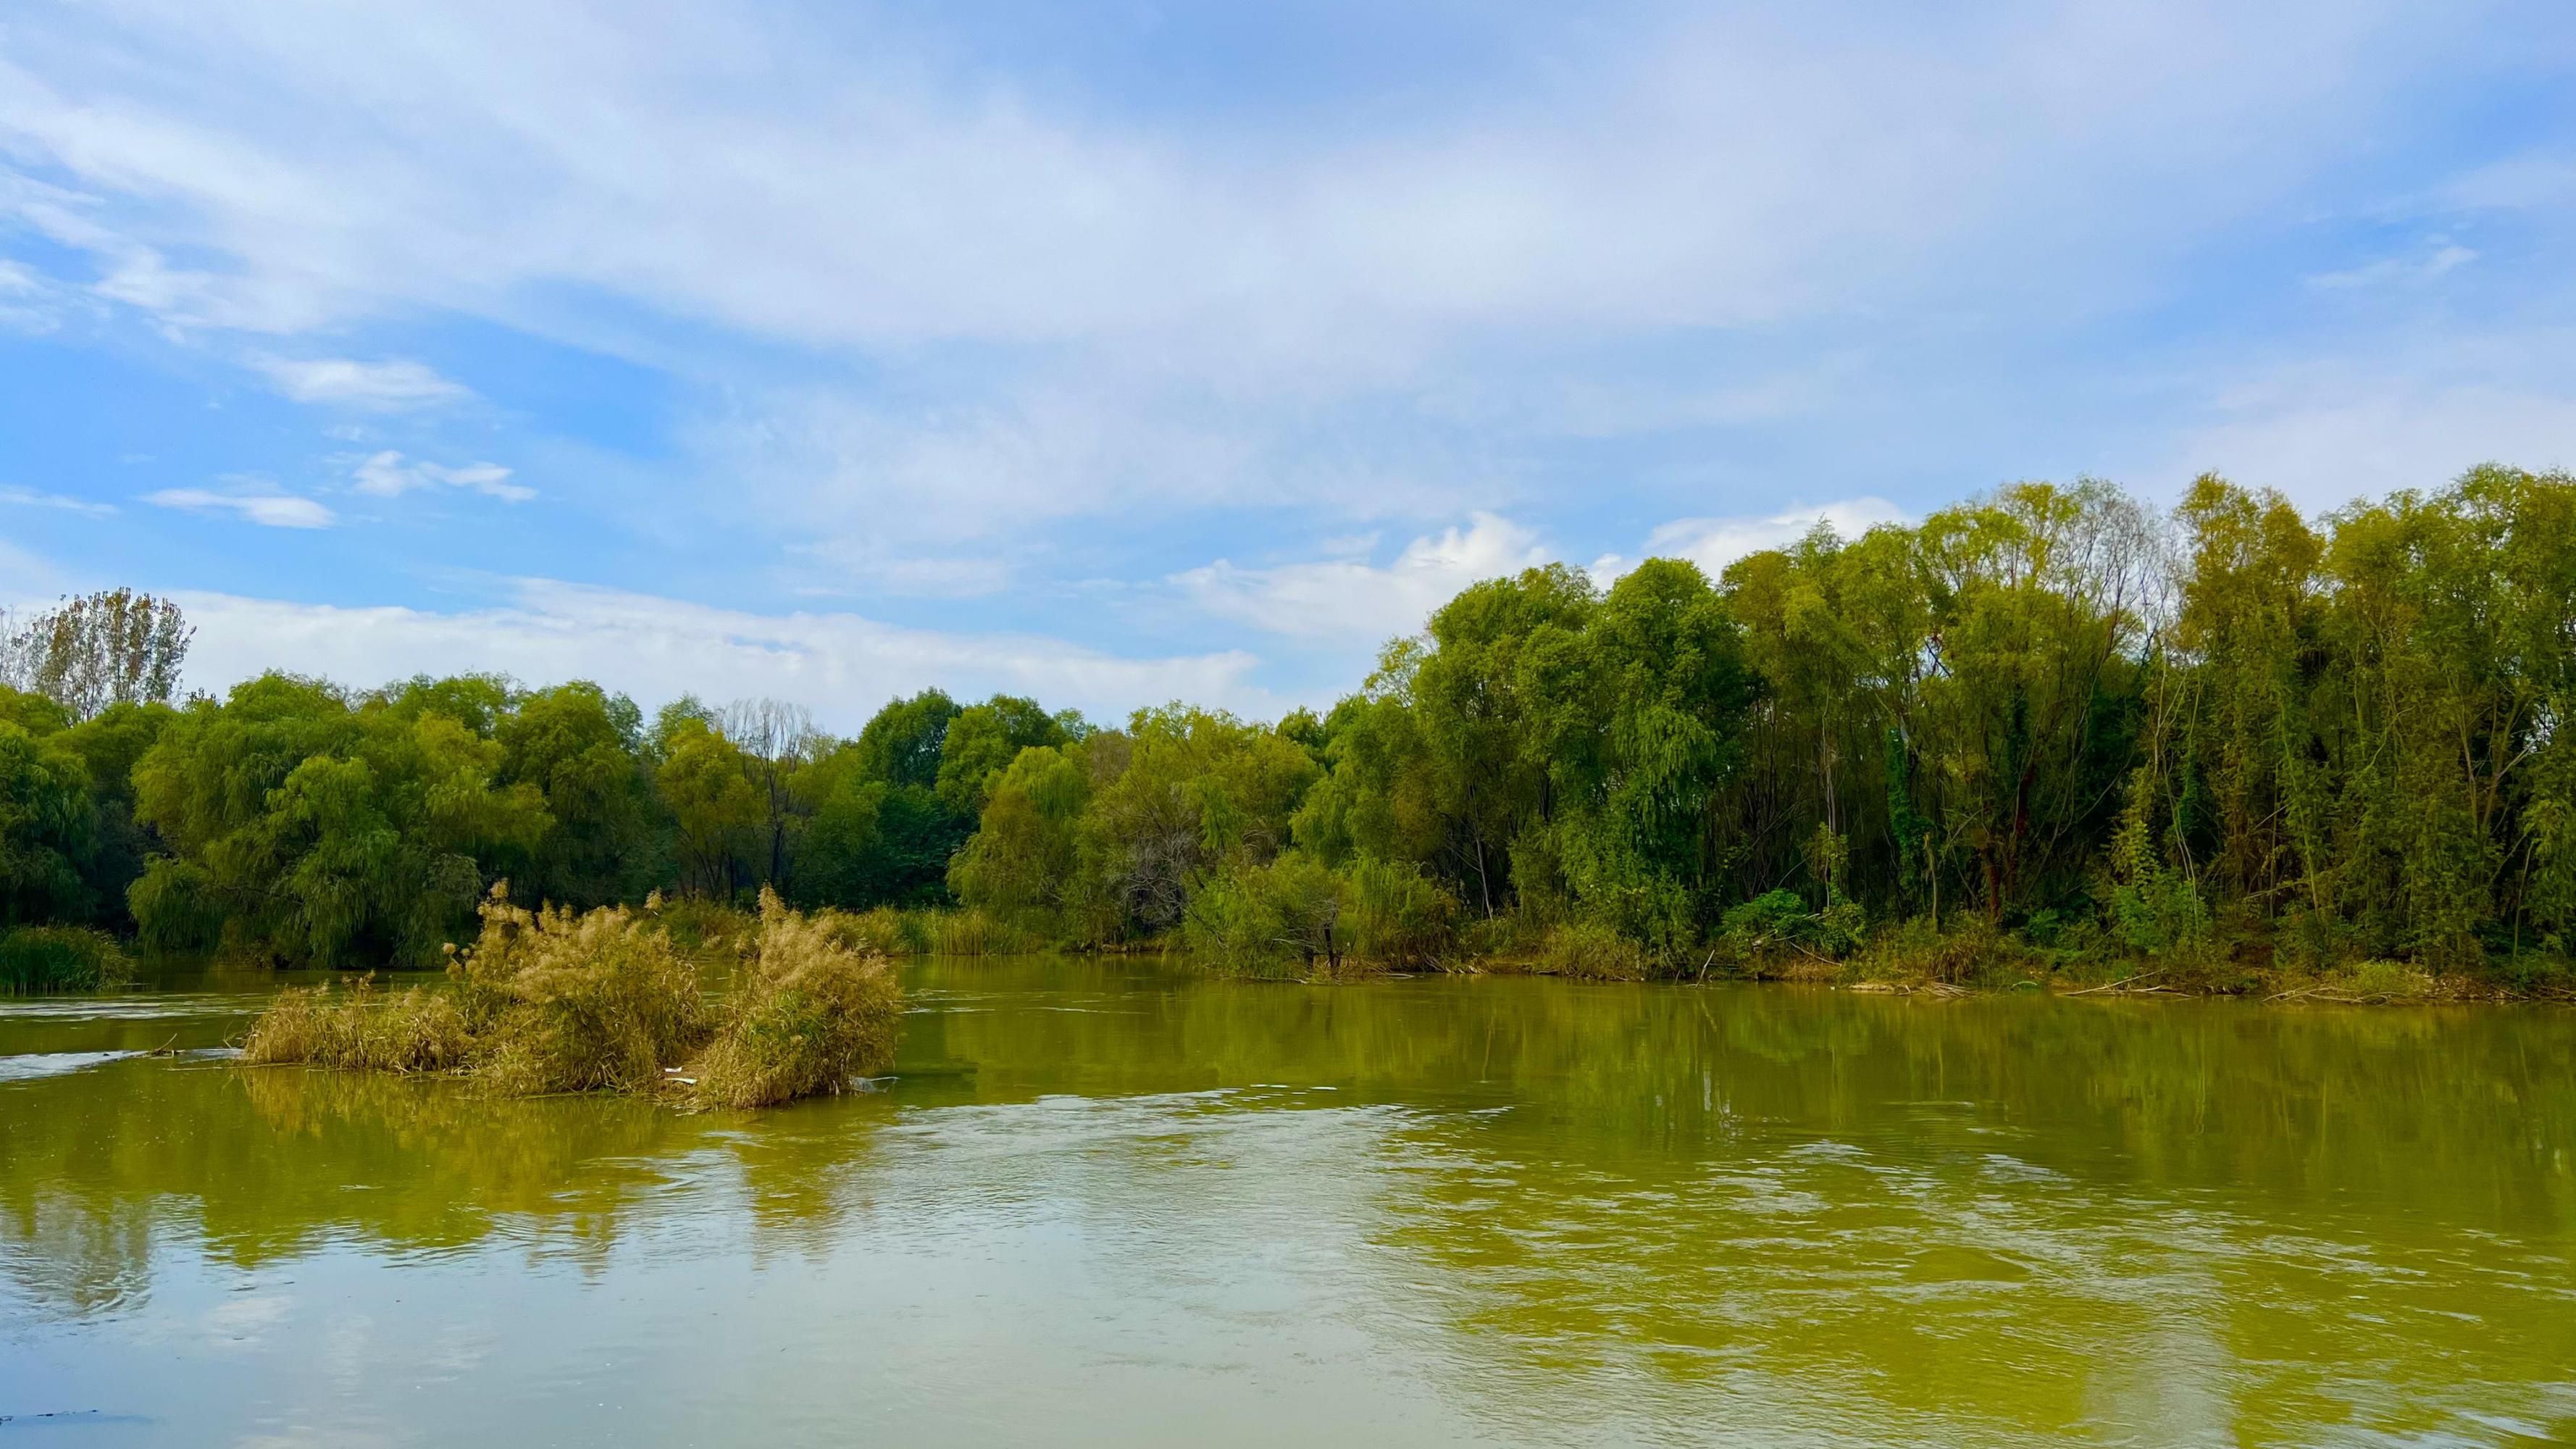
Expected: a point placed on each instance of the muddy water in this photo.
(1120, 1203)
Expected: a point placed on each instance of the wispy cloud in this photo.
(29, 498)
(387, 475)
(842, 665)
(2527, 182)
(2440, 256)
(269, 510)
(1349, 598)
(386, 386)
(1728, 171)
(2327, 437)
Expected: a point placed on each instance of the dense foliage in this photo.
(2044, 722)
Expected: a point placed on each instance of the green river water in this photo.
(1117, 1202)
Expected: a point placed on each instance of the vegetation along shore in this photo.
(2049, 737)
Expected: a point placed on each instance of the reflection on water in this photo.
(1114, 1202)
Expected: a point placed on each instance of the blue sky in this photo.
(1117, 353)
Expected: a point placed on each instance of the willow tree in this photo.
(44, 828)
(319, 831)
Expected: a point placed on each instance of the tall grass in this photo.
(812, 1011)
(61, 958)
(570, 1003)
(363, 1029)
(976, 932)
(547, 1001)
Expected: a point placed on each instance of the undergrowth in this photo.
(37, 959)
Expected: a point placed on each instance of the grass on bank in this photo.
(547, 1001)
(40, 959)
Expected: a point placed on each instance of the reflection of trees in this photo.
(260, 1164)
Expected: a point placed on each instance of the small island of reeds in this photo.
(548, 1001)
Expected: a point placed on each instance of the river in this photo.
(1119, 1202)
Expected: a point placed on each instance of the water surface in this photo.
(1117, 1202)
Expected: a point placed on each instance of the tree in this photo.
(578, 745)
(983, 739)
(114, 647)
(44, 829)
(777, 739)
(705, 782)
(320, 831)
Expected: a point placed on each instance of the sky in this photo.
(1117, 353)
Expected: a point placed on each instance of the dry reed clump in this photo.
(566, 1003)
(543, 1001)
(415, 1030)
(817, 1005)
(547, 1001)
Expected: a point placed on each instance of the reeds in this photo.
(815, 1008)
(363, 1029)
(547, 1001)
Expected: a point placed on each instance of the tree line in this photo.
(2048, 716)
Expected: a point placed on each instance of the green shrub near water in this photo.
(885, 930)
(61, 958)
(973, 932)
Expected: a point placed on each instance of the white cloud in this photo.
(27, 581)
(1713, 543)
(2517, 183)
(387, 386)
(271, 510)
(386, 475)
(1352, 598)
(867, 482)
(841, 665)
(29, 498)
(2442, 256)
(1348, 599)
(2327, 440)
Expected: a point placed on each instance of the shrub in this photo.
(884, 930)
(2378, 981)
(1397, 916)
(695, 923)
(1778, 922)
(61, 958)
(974, 932)
(812, 1012)
(1970, 947)
(1589, 948)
